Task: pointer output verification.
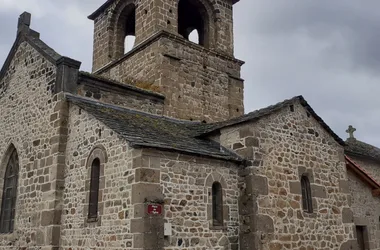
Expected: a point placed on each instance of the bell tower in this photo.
(200, 79)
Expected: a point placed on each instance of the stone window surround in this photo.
(98, 152)
(295, 188)
(210, 180)
(210, 26)
(3, 167)
(203, 32)
(120, 19)
(364, 222)
(209, 14)
(307, 203)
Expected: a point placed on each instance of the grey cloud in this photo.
(325, 50)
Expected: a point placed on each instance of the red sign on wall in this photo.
(154, 209)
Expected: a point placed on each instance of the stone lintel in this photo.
(361, 221)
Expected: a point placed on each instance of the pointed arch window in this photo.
(217, 204)
(94, 189)
(8, 204)
(307, 203)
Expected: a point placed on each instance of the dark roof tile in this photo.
(147, 130)
(359, 148)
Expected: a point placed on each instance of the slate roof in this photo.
(359, 148)
(147, 130)
(258, 114)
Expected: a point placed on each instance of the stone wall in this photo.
(185, 183)
(147, 70)
(134, 178)
(30, 119)
(111, 230)
(188, 76)
(282, 147)
(366, 209)
(123, 97)
(154, 16)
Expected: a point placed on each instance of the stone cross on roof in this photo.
(351, 131)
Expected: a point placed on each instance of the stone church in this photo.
(152, 150)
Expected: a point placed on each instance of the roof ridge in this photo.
(368, 144)
(360, 148)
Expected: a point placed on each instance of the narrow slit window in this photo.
(8, 206)
(307, 203)
(94, 189)
(217, 204)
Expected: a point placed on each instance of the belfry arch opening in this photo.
(193, 21)
(125, 30)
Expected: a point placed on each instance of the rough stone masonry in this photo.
(155, 141)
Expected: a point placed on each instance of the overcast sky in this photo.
(327, 51)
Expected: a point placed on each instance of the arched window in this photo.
(217, 204)
(8, 204)
(94, 189)
(307, 203)
(125, 30)
(192, 15)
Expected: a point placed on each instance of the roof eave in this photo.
(97, 12)
(29, 37)
(363, 175)
(237, 160)
(275, 108)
